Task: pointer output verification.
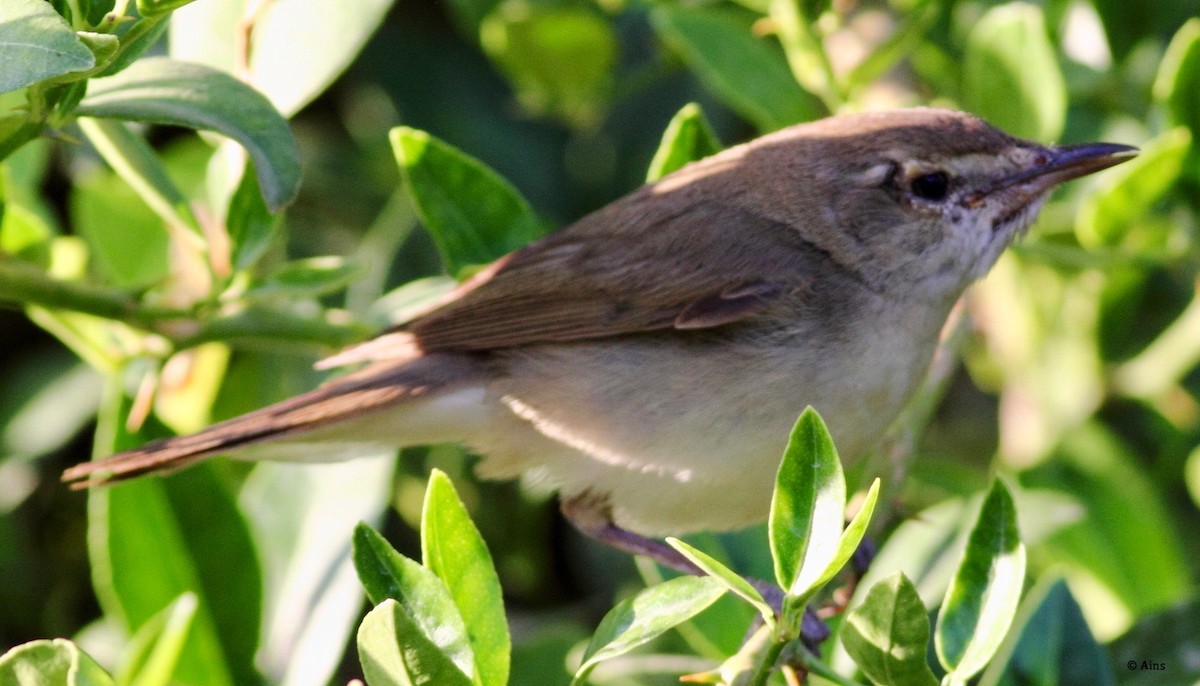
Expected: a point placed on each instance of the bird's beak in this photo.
(1067, 162)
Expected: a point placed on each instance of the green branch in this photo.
(24, 284)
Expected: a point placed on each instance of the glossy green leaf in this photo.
(51, 663)
(163, 91)
(36, 44)
(982, 599)
(424, 598)
(453, 550)
(1055, 647)
(395, 652)
(473, 214)
(283, 63)
(689, 137)
(1011, 76)
(1117, 212)
(888, 634)
(308, 278)
(559, 58)
(647, 615)
(730, 579)
(158, 645)
(747, 72)
(808, 506)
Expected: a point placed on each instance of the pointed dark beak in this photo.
(1068, 162)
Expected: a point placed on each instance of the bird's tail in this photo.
(313, 415)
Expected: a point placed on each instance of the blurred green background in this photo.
(1074, 367)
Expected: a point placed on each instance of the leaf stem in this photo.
(805, 53)
(815, 666)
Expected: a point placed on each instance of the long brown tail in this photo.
(373, 388)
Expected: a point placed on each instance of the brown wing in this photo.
(631, 267)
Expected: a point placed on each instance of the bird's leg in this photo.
(591, 516)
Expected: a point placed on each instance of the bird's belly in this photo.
(683, 439)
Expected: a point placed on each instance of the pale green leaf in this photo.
(395, 652)
(1011, 76)
(688, 138)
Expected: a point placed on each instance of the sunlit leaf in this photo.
(453, 550)
(159, 643)
(808, 506)
(51, 663)
(425, 599)
(726, 576)
(689, 137)
(395, 652)
(647, 615)
(474, 215)
(283, 64)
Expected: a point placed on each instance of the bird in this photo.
(649, 360)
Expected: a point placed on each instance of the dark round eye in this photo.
(932, 186)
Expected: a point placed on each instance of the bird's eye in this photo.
(932, 186)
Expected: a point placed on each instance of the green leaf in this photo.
(158, 645)
(1011, 76)
(150, 540)
(730, 579)
(308, 278)
(473, 214)
(1055, 646)
(453, 550)
(1178, 81)
(983, 597)
(1126, 523)
(688, 138)
(808, 506)
(560, 58)
(162, 91)
(283, 63)
(424, 598)
(51, 663)
(888, 634)
(747, 72)
(251, 225)
(149, 32)
(1117, 212)
(647, 615)
(137, 163)
(154, 8)
(36, 44)
(395, 652)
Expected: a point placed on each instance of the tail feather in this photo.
(374, 388)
